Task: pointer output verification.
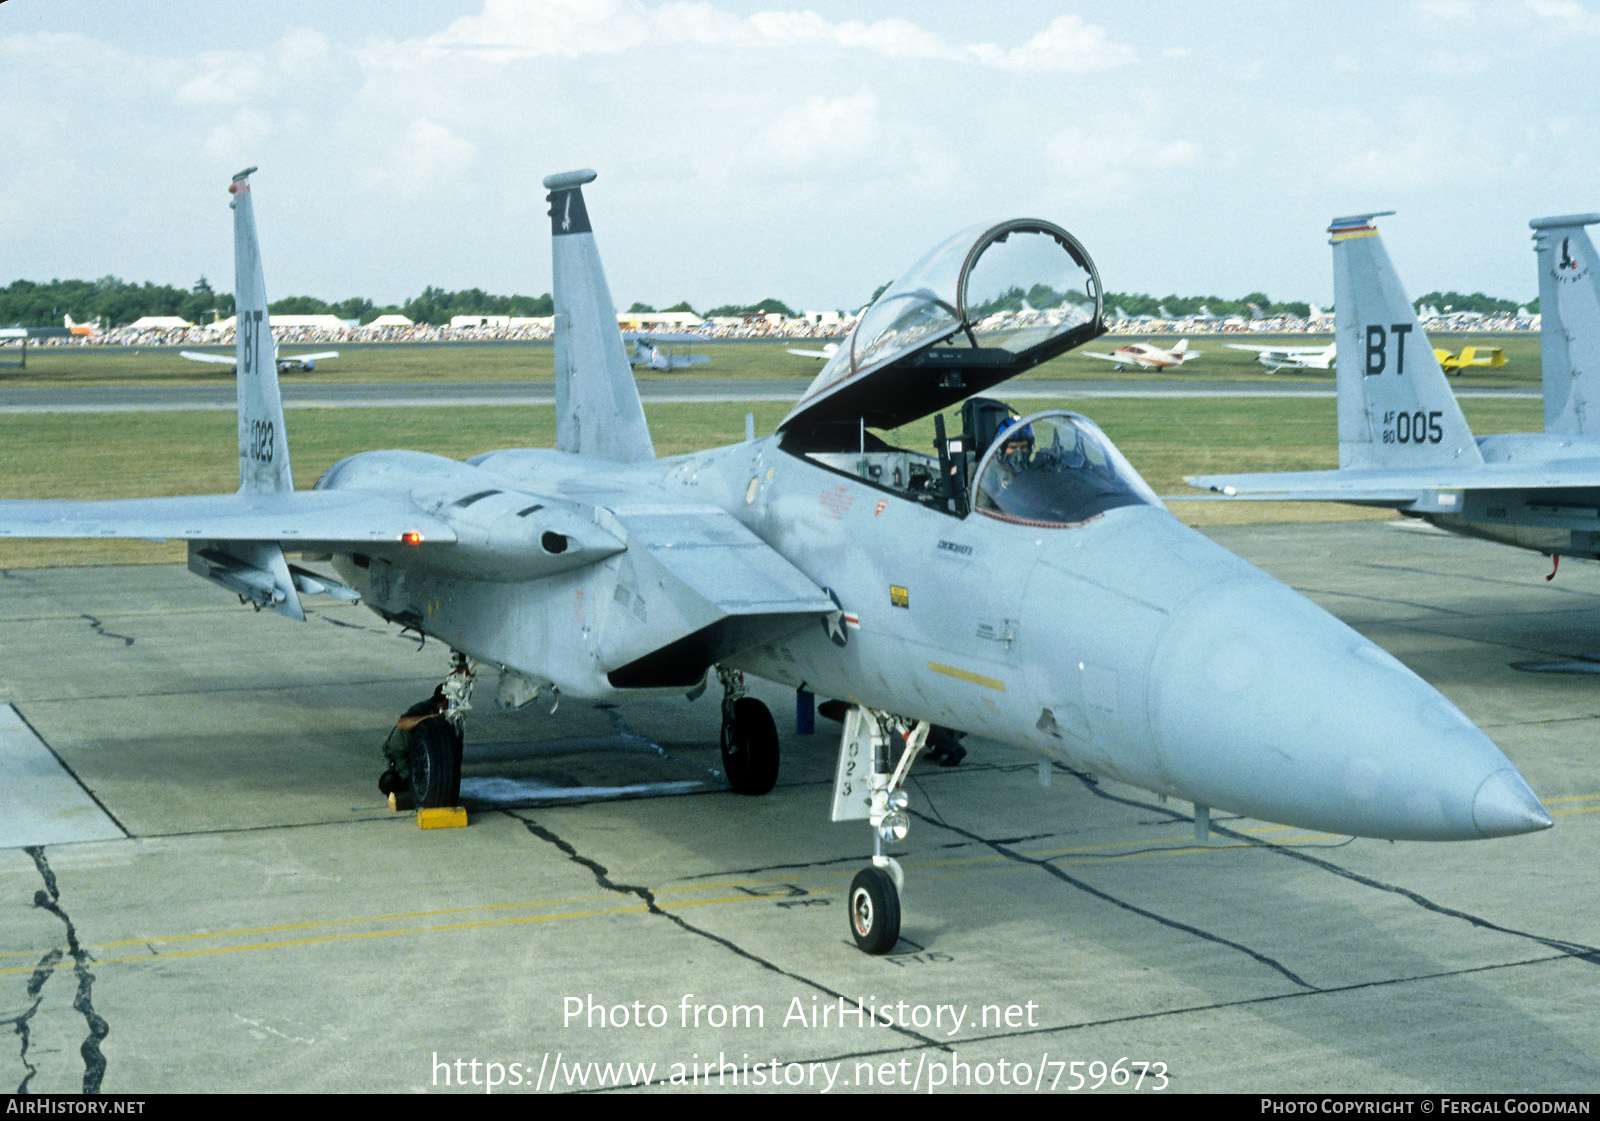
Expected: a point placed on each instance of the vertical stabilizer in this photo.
(597, 403)
(263, 443)
(255, 570)
(1569, 323)
(1396, 408)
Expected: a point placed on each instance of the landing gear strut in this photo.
(867, 786)
(749, 738)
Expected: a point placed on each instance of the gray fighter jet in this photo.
(1403, 442)
(1021, 582)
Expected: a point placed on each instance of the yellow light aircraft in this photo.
(1490, 356)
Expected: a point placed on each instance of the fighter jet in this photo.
(1403, 442)
(1019, 582)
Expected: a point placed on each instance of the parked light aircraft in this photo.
(1148, 355)
(286, 364)
(1490, 356)
(828, 351)
(1403, 442)
(1032, 589)
(1277, 358)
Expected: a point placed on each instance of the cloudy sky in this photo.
(804, 151)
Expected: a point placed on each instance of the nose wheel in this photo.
(874, 910)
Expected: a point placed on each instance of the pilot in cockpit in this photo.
(1016, 445)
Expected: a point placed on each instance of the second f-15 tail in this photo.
(1569, 323)
(597, 403)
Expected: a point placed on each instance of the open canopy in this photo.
(984, 305)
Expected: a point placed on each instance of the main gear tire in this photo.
(435, 764)
(750, 748)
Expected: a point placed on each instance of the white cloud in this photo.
(1566, 15)
(510, 29)
(1106, 161)
(825, 131)
(1068, 44)
(428, 155)
(242, 133)
(1460, 11)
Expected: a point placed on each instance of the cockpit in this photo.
(1054, 469)
(984, 305)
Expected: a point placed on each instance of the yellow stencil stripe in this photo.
(968, 676)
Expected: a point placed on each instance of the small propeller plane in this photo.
(286, 364)
(1403, 441)
(826, 352)
(1492, 357)
(1276, 358)
(1021, 582)
(651, 351)
(1148, 355)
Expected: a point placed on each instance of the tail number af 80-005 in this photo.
(1413, 428)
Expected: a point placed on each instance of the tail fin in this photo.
(597, 403)
(263, 442)
(1569, 323)
(256, 570)
(1395, 405)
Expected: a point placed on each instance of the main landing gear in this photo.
(867, 786)
(749, 738)
(431, 742)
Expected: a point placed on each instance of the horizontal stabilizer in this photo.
(1416, 488)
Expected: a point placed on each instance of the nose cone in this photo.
(1504, 806)
(1264, 704)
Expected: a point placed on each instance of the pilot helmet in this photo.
(1009, 432)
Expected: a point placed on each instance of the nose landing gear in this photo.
(867, 785)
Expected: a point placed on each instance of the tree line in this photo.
(115, 302)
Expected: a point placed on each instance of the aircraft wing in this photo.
(300, 359)
(288, 518)
(202, 356)
(1285, 351)
(1121, 359)
(661, 338)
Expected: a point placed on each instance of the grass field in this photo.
(127, 455)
